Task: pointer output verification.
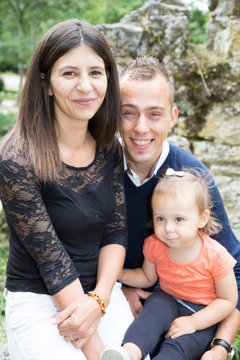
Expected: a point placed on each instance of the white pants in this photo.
(32, 336)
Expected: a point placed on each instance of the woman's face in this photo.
(78, 84)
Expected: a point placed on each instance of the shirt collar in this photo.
(135, 178)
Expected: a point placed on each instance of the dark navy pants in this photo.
(148, 329)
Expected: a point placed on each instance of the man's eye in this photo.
(129, 113)
(155, 115)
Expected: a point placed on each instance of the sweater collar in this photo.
(153, 171)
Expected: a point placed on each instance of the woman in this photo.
(62, 192)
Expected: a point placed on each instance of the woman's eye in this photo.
(69, 73)
(96, 73)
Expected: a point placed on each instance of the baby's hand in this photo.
(181, 326)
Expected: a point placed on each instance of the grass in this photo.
(236, 346)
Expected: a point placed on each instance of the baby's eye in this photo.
(179, 219)
(160, 219)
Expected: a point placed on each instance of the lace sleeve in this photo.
(116, 231)
(27, 217)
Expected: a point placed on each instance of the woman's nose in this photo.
(84, 83)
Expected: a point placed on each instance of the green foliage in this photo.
(236, 346)
(25, 21)
(197, 26)
(111, 11)
(9, 92)
(6, 122)
(1, 84)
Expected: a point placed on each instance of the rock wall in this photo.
(207, 81)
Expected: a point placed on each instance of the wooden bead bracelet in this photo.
(99, 301)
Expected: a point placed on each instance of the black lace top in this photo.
(57, 230)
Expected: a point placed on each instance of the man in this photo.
(148, 113)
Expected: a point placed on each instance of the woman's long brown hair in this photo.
(34, 134)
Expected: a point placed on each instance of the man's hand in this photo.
(134, 297)
(227, 330)
(216, 353)
(181, 326)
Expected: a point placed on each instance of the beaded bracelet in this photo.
(99, 301)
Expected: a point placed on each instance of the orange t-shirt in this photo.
(193, 281)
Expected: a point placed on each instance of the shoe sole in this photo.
(111, 354)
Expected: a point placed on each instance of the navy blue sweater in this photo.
(139, 213)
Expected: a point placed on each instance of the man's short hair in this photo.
(146, 68)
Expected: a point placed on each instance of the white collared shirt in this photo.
(135, 178)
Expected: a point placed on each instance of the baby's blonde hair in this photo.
(172, 181)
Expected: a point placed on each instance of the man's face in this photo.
(146, 117)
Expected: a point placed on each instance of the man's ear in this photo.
(204, 217)
(174, 116)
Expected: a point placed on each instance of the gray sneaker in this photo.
(115, 352)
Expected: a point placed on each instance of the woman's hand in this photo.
(78, 321)
(93, 348)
